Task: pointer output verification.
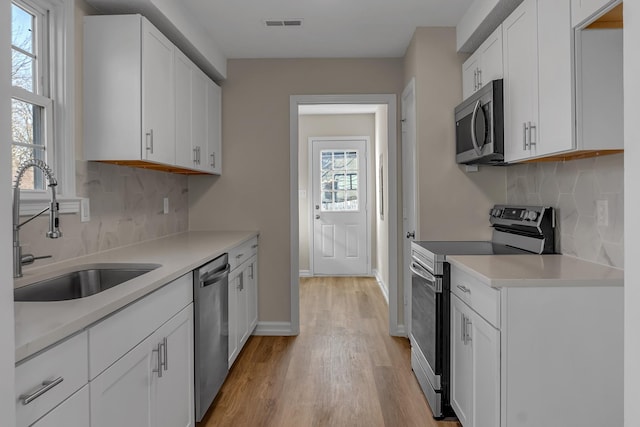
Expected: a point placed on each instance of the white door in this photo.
(174, 394)
(409, 226)
(339, 178)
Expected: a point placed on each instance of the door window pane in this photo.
(339, 180)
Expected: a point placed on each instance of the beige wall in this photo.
(452, 204)
(253, 192)
(326, 125)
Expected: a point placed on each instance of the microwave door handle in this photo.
(473, 128)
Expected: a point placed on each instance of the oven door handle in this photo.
(434, 282)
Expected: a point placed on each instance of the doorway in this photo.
(340, 243)
(385, 214)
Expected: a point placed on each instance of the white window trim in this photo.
(62, 91)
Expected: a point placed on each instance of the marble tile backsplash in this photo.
(126, 208)
(573, 188)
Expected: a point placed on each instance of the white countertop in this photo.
(537, 270)
(41, 324)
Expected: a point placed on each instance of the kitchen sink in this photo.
(84, 281)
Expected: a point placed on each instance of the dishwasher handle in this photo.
(214, 277)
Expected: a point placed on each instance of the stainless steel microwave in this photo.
(480, 126)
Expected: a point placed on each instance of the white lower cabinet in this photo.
(73, 412)
(536, 355)
(475, 355)
(243, 296)
(151, 385)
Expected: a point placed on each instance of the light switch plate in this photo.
(85, 210)
(602, 213)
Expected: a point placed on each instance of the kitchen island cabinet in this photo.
(536, 341)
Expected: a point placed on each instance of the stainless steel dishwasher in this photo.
(211, 315)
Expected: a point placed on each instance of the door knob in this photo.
(411, 235)
(317, 216)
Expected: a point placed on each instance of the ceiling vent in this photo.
(283, 22)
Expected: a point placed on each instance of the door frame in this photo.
(312, 234)
(395, 328)
(410, 90)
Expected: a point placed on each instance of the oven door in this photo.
(426, 320)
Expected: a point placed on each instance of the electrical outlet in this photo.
(85, 210)
(166, 205)
(602, 213)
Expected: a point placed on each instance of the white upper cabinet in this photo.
(484, 65)
(145, 103)
(158, 104)
(562, 91)
(538, 99)
(520, 81)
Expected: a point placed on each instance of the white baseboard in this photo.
(381, 284)
(276, 329)
(305, 273)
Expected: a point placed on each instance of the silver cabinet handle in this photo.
(251, 272)
(195, 155)
(241, 282)
(467, 334)
(463, 323)
(479, 78)
(165, 354)
(213, 160)
(533, 130)
(46, 386)
(159, 351)
(475, 79)
(239, 256)
(150, 139)
(464, 289)
(524, 135)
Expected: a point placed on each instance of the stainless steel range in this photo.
(516, 230)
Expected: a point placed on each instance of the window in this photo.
(42, 44)
(339, 180)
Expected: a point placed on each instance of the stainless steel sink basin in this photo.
(83, 282)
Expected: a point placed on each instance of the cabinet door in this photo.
(555, 78)
(461, 363)
(485, 348)
(242, 307)
(122, 394)
(73, 412)
(252, 294)
(158, 114)
(183, 96)
(491, 58)
(470, 75)
(174, 405)
(233, 315)
(520, 47)
(199, 82)
(214, 128)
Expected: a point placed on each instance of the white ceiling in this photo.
(330, 29)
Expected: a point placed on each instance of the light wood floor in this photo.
(343, 369)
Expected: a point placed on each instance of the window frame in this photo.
(60, 115)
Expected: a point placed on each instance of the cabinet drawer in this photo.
(243, 252)
(478, 295)
(67, 361)
(136, 322)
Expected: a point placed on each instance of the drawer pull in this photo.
(239, 256)
(46, 386)
(464, 289)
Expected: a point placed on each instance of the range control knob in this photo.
(496, 212)
(532, 215)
